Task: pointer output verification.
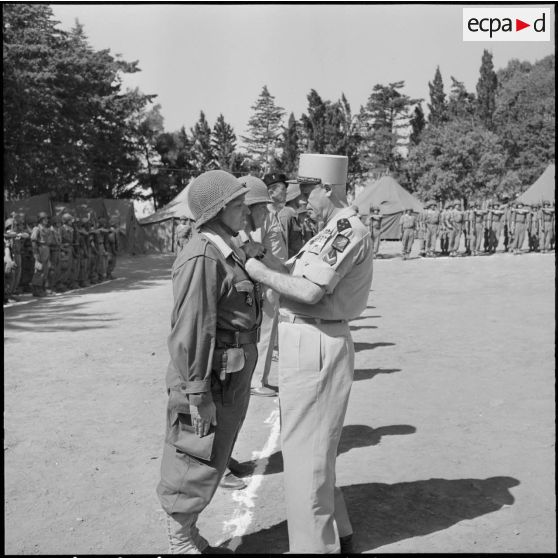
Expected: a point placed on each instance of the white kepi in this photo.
(330, 169)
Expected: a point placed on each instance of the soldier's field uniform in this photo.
(66, 253)
(519, 220)
(454, 221)
(432, 225)
(375, 228)
(212, 346)
(495, 225)
(408, 226)
(547, 227)
(40, 239)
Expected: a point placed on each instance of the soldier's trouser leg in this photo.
(519, 236)
(93, 277)
(547, 239)
(111, 264)
(431, 238)
(187, 483)
(268, 337)
(17, 272)
(84, 271)
(408, 239)
(315, 377)
(64, 279)
(377, 243)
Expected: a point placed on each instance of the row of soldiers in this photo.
(57, 254)
(481, 226)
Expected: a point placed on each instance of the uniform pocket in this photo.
(182, 436)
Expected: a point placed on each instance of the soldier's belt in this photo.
(238, 338)
(294, 319)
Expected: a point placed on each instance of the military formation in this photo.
(55, 254)
(483, 227)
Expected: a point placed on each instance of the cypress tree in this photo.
(417, 123)
(223, 141)
(486, 90)
(437, 106)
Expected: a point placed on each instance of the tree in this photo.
(69, 129)
(417, 123)
(525, 116)
(223, 141)
(291, 152)
(486, 90)
(264, 131)
(458, 159)
(203, 156)
(461, 104)
(383, 126)
(437, 106)
(314, 124)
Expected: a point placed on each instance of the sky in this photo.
(217, 58)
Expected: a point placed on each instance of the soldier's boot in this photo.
(183, 534)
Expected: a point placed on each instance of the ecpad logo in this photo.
(507, 24)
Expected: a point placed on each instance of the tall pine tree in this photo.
(486, 90)
(461, 104)
(223, 141)
(264, 131)
(314, 123)
(417, 122)
(203, 157)
(289, 158)
(437, 106)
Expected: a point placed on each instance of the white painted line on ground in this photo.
(236, 527)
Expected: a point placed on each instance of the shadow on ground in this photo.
(384, 514)
(48, 314)
(370, 346)
(352, 436)
(369, 373)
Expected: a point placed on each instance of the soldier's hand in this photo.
(38, 266)
(203, 416)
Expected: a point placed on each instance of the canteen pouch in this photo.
(182, 435)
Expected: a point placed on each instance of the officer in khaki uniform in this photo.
(432, 218)
(328, 284)
(212, 346)
(408, 225)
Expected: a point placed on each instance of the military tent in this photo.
(29, 206)
(392, 199)
(159, 228)
(542, 189)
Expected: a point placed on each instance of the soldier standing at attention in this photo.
(328, 284)
(432, 222)
(85, 251)
(533, 227)
(66, 252)
(519, 219)
(93, 253)
(289, 219)
(547, 226)
(54, 245)
(9, 265)
(477, 224)
(40, 238)
(421, 233)
(454, 224)
(408, 227)
(76, 255)
(112, 247)
(495, 223)
(375, 228)
(212, 347)
(444, 231)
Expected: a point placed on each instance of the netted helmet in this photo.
(42, 215)
(8, 223)
(67, 218)
(257, 190)
(210, 192)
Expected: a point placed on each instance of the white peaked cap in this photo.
(330, 169)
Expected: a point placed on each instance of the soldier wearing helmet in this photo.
(519, 222)
(547, 226)
(408, 225)
(66, 252)
(16, 237)
(289, 219)
(84, 252)
(478, 223)
(432, 219)
(113, 247)
(212, 347)
(375, 228)
(454, 223)
(495, 225)
(55, 243)
(40, 239)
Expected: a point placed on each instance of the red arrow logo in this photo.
(519, 25)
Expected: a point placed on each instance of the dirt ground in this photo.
(448, 443)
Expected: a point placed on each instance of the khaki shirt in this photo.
(211, 291)
(339, 259)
